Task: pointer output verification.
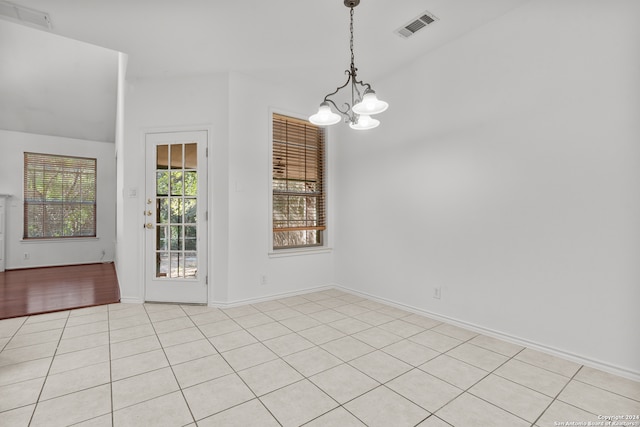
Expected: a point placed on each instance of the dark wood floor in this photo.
(42, 290)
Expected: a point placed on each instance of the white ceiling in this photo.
(297, 42)
(54, 85)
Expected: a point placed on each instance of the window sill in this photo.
(60, 240)
(299, 251)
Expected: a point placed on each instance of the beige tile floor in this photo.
(321, 359)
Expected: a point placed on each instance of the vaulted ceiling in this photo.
(56, 86)
(51, 79)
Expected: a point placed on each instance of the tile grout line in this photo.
(602, 389)
(308, 378)
(48, 374)
(302, 375)
(340, 405)
(110, 364)
(468, 390)
(193, 418)
(384, 384)
(35, 408)
(472, 385)
(343, 361)
(146, 372)
(141, 373)
(236, 373)
(94, 364)
(219, 354)
(110, 378)
(543, 368)
(556, 397)
(278, 357)
(418, 368)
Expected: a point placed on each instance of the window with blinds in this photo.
(59, 196)
(299, 218)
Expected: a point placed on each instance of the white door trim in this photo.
(208, 263)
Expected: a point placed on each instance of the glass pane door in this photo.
(175, 217)
(176, 251)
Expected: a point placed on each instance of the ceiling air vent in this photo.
(24, 15)
(416, 24)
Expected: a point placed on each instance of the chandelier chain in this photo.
(351, 44)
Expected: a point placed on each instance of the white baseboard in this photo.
(596, 364)
(61, 264)
(131, 300)
(229, 304)
(220, 304)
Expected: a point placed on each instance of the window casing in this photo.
(298, 164)
(59, 196)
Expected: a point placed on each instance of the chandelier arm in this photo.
(340, 87)
(366, 87)
(344, 113)
(327, 98)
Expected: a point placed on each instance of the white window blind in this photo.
(299, 218)
(59, 196)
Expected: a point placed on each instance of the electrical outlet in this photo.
(437, 292)
(27, 255)
(263, 279)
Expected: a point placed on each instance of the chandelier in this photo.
(364, 102)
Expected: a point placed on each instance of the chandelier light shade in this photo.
(364, 102)
(364, 122)
(324, 116)
(370, 104)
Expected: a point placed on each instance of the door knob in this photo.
(149, 225)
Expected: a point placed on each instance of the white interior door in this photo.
(175, 217)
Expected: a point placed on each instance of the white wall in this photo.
(169, 103)
(63, 251)
(119, 176)
(250, 103)
(236, 107)
(506, 172)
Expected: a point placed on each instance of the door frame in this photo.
(208, 128)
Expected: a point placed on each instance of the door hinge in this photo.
(206, 280)
(206, 216)
(206, 152)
